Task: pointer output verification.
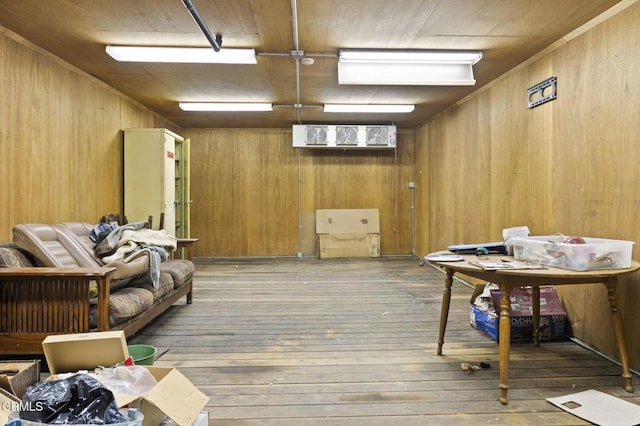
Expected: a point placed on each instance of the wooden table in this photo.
(186, 244)
(508, 279)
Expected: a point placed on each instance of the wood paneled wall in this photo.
(489, 163)
(568, 166)
(255, 195)
(60, 139)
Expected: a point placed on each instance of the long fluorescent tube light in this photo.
(451, 68)
(226, 106)
(411, 56)
(368, 108)
(201, 55)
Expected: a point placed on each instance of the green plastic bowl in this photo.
(143, 354)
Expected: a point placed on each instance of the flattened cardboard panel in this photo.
(347, 221)
(599, 408)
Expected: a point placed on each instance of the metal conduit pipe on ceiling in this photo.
(215, 41)
(296, 48)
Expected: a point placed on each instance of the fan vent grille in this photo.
(317, 135)
(346, 135)
(377, 136)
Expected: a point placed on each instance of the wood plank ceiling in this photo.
(507, 31)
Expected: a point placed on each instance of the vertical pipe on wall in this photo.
(412, 187)
(396, 194)
(299, 202)
(296, 47)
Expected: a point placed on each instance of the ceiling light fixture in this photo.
(226, 106)
(368, 108)
(407, 67)
(202, 55)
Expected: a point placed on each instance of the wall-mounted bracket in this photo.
(542, 92)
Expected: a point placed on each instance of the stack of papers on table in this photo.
(492, 265)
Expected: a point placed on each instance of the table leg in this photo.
(618, 328)
(505, 340)
(535, 295)
(444, 310)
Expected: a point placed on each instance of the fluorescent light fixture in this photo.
(411, 56)
(368, 108)
(407, 67)
(201, 55)
(226, 106)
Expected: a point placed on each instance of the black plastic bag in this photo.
(79, 399)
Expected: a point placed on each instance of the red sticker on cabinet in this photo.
(170, 154)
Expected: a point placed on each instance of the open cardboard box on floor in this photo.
(174, 396)
(553, 318)
(67, 353)
(8, 403)
(16, 376)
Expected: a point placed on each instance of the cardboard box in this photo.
(16, 376)
(553, 318)
(72, 352)
(349, 245)
(8, 403)
(174, 396)
(348, 233)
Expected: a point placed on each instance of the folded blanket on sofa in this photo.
(135, 238)
(111, 242)
(150, 237)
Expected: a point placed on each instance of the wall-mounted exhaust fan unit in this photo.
(344, 136)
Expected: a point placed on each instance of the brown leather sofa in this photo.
(68, 245)
(57, 285)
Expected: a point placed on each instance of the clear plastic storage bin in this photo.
(596, 253)
(134, 418)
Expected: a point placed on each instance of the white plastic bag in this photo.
(133, 380)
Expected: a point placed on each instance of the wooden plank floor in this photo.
(353, 342)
